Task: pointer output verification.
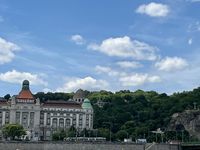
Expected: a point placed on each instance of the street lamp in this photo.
(158, 131)
(195, 105)
(110, 132)
(182, 135)
(127, 135)
(110, 123)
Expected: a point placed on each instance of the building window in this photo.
(87, 120)
(91, 120)
(0, 118)
(48, 119)
(67, 123)
(80, 123)
(80, 116)
(25, 107)
(54, 122)
(18, 117)
(74, 120)
(80, 120)
(41, 118)
(7, 117)
(55, 114)
(61, 114)
(67, 115)
(31, 123)
(61, 123)
(25, 119)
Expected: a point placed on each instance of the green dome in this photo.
(86, 104)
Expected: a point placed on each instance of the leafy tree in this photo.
(59, 135)
(103, 132)
(7, 96)
(121, 135)
(13, 130)
(56, 136)
(71, 132)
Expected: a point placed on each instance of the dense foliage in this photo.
(12, 131)
(134, 114)
(53, 96)
(138, 113)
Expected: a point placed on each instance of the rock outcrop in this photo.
(188, 120)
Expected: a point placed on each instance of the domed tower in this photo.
(25, 94)
(87, 108)
(25, 85)
(86, 104)
(79, 96)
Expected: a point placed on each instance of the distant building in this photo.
(2, 98)
(41, 120)
(101, 103)
(79, 96)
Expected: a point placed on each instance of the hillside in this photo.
(134, 114)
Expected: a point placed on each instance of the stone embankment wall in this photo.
(165, 147)
(80, 146)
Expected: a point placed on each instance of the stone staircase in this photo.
(148, 146)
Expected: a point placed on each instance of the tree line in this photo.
(134, 114)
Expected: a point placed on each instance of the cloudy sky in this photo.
(99, 45)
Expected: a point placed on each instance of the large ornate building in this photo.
(41, 120)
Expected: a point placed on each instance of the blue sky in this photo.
(99, 45)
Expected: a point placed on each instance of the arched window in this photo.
(67, 123)
(61, 123)
(54, 122)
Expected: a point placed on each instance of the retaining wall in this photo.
(81, 146)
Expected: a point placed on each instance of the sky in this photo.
(61, 46)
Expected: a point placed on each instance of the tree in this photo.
(59, 135)
(56, 136)
(7, 96)
(121, 135)
(13, 130)
(103, 132)
(71, 132)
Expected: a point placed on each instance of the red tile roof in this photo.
(25, 94)
(65, 104)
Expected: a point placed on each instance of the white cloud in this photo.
(125, 47)
(7, 50)
(87, 83)
(171, 64)
(17, 77)
(46, 90)
(154, 79)
(138, 79)
(78, 39)
(154, 9)
(129, 64)
(190, 41)
(183, 80)
(127, 79)
(107, 70)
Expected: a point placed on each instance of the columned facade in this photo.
(41, 120)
